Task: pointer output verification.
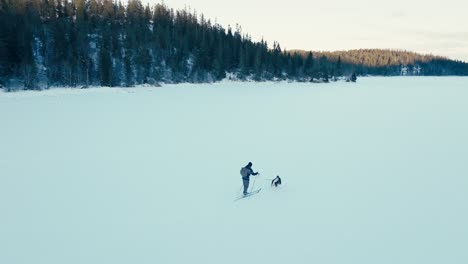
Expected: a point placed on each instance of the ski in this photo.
(248, 194)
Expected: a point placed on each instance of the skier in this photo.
(246, 172)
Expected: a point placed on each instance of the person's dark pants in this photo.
(246, 185)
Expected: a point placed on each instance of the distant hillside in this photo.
(392, 62)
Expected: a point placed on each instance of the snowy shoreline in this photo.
(147, 88)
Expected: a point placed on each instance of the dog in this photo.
(276, 182)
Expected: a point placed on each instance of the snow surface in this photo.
(373, 172)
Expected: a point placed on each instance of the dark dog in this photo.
(276, 182)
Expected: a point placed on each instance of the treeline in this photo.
(79, 43)
(47, 43)
(394, 62)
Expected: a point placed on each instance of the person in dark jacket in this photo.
(246, 172)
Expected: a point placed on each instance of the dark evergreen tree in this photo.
(353, 77)
(105, 61)
(309, 66)
(324, 70)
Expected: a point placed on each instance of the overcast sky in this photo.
(428, 26)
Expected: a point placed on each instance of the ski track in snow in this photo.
(373, 172)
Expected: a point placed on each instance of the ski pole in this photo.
(253, 184)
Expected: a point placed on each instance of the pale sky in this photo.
(439, 27)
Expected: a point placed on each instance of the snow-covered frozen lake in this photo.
(373, 172)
